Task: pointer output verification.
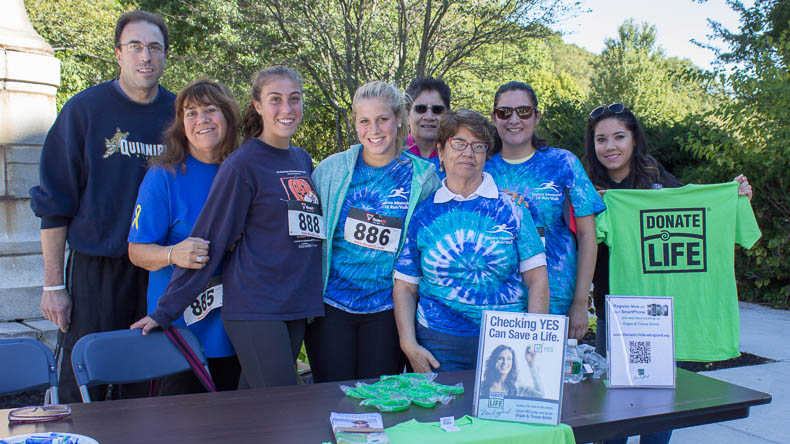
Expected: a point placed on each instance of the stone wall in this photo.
(29, 77)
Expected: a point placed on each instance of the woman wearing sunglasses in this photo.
(616, 153)
(550, 179)
(368, 193)
(469, 248)
(429, 99)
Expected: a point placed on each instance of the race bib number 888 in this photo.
(305, 219)
(373, 231)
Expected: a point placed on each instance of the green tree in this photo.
(335, 45)
(354, 41)
(750, 133)
(663, 92)
(632, 69)
(81, 33)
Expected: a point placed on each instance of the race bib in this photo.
(209, 300)
(371, 230)
(305, 219)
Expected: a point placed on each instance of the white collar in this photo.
(487, 189)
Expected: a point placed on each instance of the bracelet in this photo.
(55, 287)
(169, 252)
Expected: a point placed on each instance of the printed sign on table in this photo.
(640, 346)
(519, 367)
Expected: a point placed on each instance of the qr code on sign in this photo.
(639, 352)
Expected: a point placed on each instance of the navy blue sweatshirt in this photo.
(269, 274)
(93, 161)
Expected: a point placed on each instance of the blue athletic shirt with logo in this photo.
(360, 278)
(168, 204)
(546, 180)
(467, 254)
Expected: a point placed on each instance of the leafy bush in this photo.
(751, 134)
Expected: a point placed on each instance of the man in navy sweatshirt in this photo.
(92, 163)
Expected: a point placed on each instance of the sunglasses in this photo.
(461, 144)
(523, 112)
(614, 108)
(422, 109)
(35, 414)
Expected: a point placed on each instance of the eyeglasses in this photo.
(461, 144)
(422, 109)
(137, 48)
(38, 414)
(614, 108)
(524, 112)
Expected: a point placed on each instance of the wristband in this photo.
(55, 287)
(169, 252)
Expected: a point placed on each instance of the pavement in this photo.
(763, 333)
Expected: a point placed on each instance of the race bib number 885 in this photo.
(371, 230)
(204, 303)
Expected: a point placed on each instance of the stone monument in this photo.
(29, 78)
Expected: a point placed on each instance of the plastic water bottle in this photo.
(572, 371)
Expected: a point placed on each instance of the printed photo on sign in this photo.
(640, 341)
(519, 367)
(673, 240)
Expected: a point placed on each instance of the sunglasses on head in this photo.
(523, 112)
(614, 108)
(422, 109)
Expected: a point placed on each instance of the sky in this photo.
(677, 22)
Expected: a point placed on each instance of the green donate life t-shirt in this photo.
(480, 431)
(679, 242)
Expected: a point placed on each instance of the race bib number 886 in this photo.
(371, 230)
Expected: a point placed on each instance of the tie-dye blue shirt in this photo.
(546, 180)
(467, 256)
(360, 278)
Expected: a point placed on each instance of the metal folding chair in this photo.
(27, 364)
(126, 356)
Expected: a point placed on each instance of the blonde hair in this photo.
(390, 96)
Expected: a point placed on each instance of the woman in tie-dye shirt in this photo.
(368, 194)
(469, 248)
(553, 181)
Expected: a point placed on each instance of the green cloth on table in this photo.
(482, 431)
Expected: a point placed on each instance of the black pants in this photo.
(106, 294)
(225, 373)
(267, 351)
(345, 346)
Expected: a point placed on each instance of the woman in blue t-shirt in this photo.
(170, 198)
(469, 248)
(551, 180)
(368, 193)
